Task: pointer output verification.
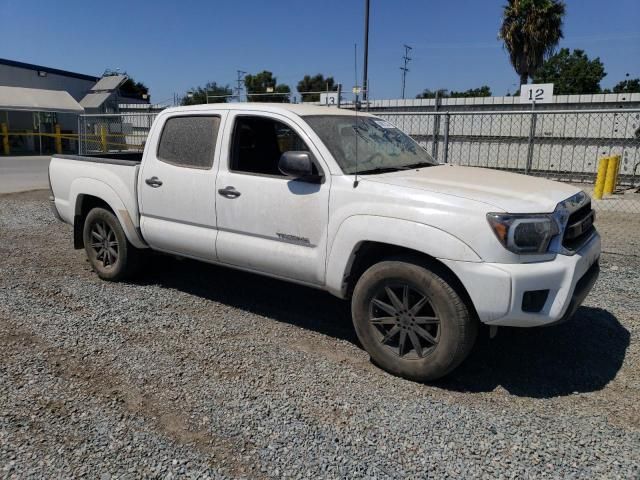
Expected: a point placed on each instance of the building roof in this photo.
(38, 100)
(109, 83)
(102, 90)
(95, 100)
(64, 73)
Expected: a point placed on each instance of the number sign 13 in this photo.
(330, 98)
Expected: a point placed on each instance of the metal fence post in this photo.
(436, 127)
(79, 135)
(436, 136)
(445, 146)
(532, 134)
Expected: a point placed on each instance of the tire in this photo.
(116, 263)
(426, 309)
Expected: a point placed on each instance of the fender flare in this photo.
(101, 190)
(420, 237)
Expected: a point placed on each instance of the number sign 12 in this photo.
(536, 93)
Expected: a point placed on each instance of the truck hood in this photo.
(504, 191)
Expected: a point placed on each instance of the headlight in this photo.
(523, 233)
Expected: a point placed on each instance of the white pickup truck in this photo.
(347, 203)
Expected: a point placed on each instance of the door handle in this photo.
(229, 192)
(154, 182)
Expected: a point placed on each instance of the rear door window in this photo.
(189, 141)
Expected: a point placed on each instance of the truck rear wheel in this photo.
(110, 253)
(411, 320)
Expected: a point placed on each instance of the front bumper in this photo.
(497, 290)
(580, 292)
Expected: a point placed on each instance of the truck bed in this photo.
(110, 177)
(128, 158)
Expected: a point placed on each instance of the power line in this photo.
(240, 81)
(404, 69)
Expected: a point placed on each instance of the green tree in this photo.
(265, 82)
(317, 83)
(441, 93)
(130, 87)
(572, 73)
(483, 91)
(631, 85)
(531, 30)
(198, 95)
(136, 89)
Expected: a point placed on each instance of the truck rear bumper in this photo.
(54, 209)
(531, 294)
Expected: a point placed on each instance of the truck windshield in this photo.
(381, 147)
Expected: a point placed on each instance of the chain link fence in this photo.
(114, 133)
(562, 145)
(39, 133)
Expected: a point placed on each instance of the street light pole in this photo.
(365, 76)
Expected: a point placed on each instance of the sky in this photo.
(173, 46)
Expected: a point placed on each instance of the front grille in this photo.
(579, 227)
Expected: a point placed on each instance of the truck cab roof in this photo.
(295, 108)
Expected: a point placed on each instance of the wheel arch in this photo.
(104, 197)
(385, 238)
(371, 253)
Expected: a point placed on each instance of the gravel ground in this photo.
(198, 371)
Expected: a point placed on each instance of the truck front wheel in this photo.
(110, 253)
(411, 320)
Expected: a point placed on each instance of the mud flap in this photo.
(78, 227)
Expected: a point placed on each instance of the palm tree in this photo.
(531, 29)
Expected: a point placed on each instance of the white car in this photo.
(344, 202)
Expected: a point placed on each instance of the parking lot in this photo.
(23, 173)
(200, 371)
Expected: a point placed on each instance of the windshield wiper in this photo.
(381, 170)
(419, 165)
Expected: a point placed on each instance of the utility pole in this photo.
(365, 75)
(240, 81)
(404, 69)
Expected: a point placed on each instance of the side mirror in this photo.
(299, 165)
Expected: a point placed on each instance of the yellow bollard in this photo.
(610, 177)
(618, 162)
(602, 173)
(5, 139)
(58, 139)
(103, 137)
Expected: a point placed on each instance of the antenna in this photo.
(355, 68)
